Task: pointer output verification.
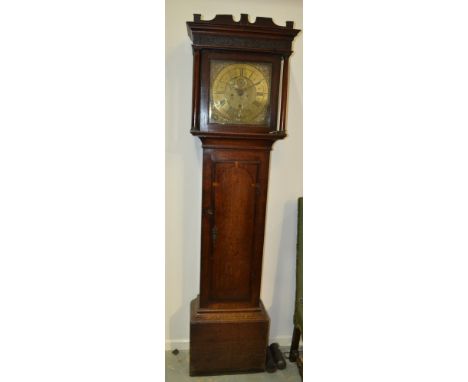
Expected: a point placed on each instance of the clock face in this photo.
(239, 92)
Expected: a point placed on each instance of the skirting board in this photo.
(185, 343)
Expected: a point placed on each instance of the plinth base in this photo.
(227, 341)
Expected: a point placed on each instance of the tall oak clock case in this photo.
(240, 81)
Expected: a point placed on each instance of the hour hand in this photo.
(253, 85)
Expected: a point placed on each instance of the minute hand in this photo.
(255, 84)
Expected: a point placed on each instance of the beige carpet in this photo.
(177, 370)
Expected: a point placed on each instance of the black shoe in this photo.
(277, 356)
(270, 363)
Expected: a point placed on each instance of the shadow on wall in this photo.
(284, 297)
(184, 152)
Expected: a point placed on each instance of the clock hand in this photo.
(255, 84)
(241, 106)
(237, 88)
(240, 91)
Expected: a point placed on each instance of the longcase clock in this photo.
(240, 82)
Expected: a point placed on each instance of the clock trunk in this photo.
(235, 182)
(229, 325)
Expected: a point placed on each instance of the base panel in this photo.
(225, 342)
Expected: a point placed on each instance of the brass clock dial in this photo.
(239, 92)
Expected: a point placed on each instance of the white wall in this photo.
(184, 165)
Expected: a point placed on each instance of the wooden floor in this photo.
(177, 370)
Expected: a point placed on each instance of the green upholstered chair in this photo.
(298, 329)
